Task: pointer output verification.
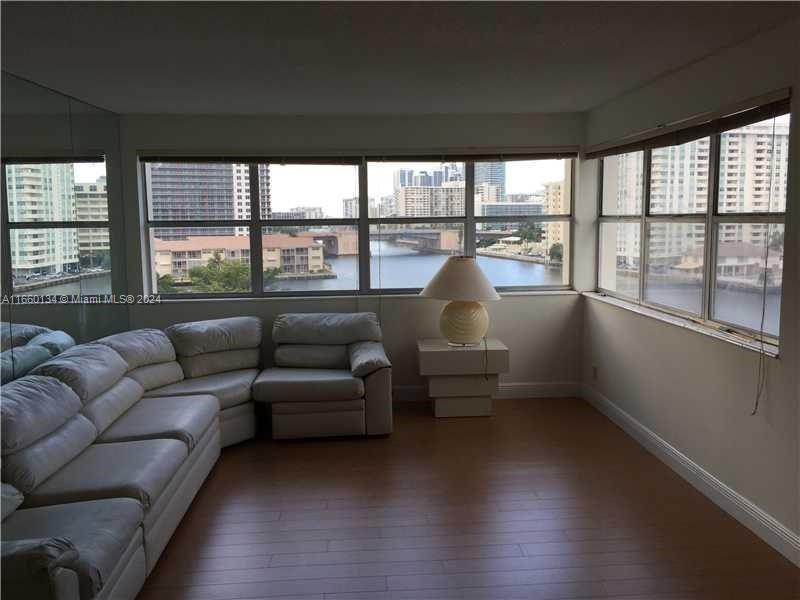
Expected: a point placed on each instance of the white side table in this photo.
(461, 380)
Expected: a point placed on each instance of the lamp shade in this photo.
(460, 278)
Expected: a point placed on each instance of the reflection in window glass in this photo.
(623, 184)
(189, 260)
(679, 178)
(314, 258)
(201, 191)
(417, 189)
(522, 188)
(740, 279)
(619, 258)
(408, 255)
(754, 167)
(523, 253)
(68, 261)
(56, 192)
(308, 191)
(675, 264)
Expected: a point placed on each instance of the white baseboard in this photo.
(522, 389)
(769, 529)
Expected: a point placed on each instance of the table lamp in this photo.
(464, 321)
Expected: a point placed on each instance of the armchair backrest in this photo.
(321, 340)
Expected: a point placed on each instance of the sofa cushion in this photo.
(21, 360)
(326, 328)
(366, 358)
(312, 356)
(141, 347)
(33, 407)
(100, 531)
(89, 369)
(219, 362)
(139, 470)
(29, 467)
(18, 334)
(306, 385)
(11, 499)
(55, 341)
(216, 335)
(153, 376)
(230, 388)
(183, 418)
(108, 406)
(28, 565)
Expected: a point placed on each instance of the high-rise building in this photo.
(42, 192)
(403, 178)
(431, 201)
(91, 204)
(350, 208)
(493, 173)
(203, 192)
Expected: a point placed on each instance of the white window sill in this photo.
(742, 341)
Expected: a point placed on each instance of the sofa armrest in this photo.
(366, 358)
(378, 402)
(39, 569)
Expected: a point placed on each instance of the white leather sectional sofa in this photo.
(105, 445)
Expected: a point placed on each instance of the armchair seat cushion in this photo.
(140, 470)
(183, 418)
(231, 388)
(100, 531)
(307, 385)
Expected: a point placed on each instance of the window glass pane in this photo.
(524, 253)
(623, 184)
(408, 255)
(197, 191)
(416, 189)
(675, 264)
(308, 191)
(188, 260)
(679, 178)
(739, 285)
(310, 258)
(619, 258)
(754, 167)
(60, 261)
(56, 192)
(522, 188)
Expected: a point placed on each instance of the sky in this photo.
(328, 185)
(88, 172)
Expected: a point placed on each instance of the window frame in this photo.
(7, 279)
(712, 218)
(362, 223)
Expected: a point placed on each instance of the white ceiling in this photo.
(364, 58)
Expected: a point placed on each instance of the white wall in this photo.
(693, 391)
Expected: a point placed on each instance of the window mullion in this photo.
(469, 208)
(643, 230)
(7, 280)
(363, 229)
(710, 255)
(256, 256)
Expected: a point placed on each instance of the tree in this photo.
(221, 275)
(166, 284)
(776, 240)
(270, 277)
(530, 232)
(556, 253)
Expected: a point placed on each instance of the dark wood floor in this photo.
(547, 499)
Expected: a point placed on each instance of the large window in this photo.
(696, 227)
(353, 226)
(56, 228)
